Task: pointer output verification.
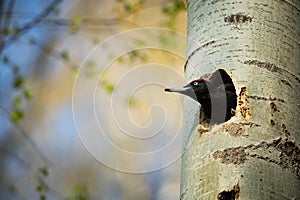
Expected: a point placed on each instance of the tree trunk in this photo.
(254, 155)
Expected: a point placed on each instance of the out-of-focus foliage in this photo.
(75, 24)
(42, 187)
(172, 10)
(41, 45)
(80, 192)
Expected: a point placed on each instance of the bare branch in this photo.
(16, 157)
(27, 138)
(5, 19)
(8, 12)
(37, 19)
(88, 21)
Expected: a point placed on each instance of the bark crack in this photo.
(291, 4)
(238, 18)
(271, 67)
(183, 194)
(286, 152)
(196, 50)
(256, 97)
(285, 130)
(286, 82)
(274, 109)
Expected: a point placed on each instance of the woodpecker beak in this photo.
(184, 90)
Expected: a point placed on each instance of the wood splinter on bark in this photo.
(244, 104)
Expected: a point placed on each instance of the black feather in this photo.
(216, 95)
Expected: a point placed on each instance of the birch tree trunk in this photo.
(254, 155)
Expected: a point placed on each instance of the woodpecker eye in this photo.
(195, 83)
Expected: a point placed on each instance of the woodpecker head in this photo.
(217, 95)
(196, 89)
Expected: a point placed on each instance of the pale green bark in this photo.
(255, 154)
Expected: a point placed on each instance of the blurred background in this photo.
(83, 114)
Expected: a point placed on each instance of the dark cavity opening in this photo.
(230, 195)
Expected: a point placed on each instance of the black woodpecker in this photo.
(216, 95)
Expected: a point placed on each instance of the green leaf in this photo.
(164, 40)
(133, 55)
(132, 101)
(17, 101)
(39, 188)
(81, 192)
(65, 55)
(172, 11)
(16, 70)
(19, 82)
(128, 7)
(75, 70)
(75, 24)
(77, 21)
(43, 197)
(44, 171)
(109, 87)
(90, 64)
(91, 68)
(28, 93)
(166, 10)
(167, 40)
(120, 60)
(140, 42)
(96, 40)
(16, 115)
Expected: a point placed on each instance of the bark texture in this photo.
(256, 154)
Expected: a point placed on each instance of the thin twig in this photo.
(5, 22)
(17, 158)
(27, 138)
(8, 11)
(20, 31)
(88, 21)
(2, 12)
